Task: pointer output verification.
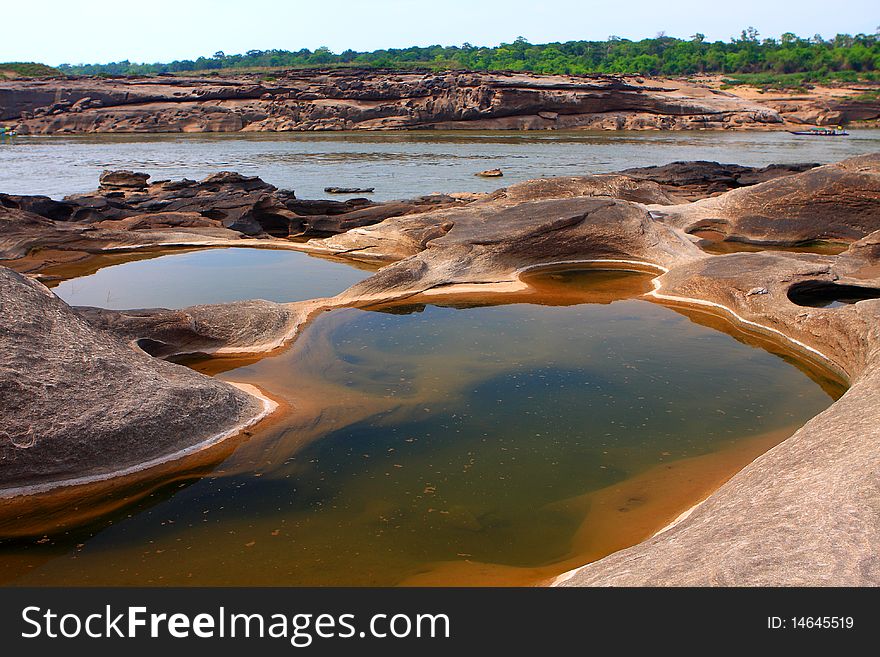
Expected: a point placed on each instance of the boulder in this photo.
(123, 179)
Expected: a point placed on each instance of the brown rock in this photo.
(370, 100)
(834, 202)
(123, 180)
(699, 179)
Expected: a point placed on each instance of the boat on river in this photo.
(821, 132)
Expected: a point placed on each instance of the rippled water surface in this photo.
(456, 445)
(398, 165)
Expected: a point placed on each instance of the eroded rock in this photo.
(698, 179)
(350, 99)
(123, 180)
(80, 402)
(838, 201)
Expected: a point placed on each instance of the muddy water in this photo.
(177, 280)
(713, 242)
(456, 445)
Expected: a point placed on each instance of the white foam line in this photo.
(583, 261)
(269, 406)
(711, 304)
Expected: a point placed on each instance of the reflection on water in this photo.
(397, 164)
(179, 280)
(713, 242)
(457, 445)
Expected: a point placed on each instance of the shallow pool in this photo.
(457, 445)
(177, 280)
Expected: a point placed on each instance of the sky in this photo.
(89, 31)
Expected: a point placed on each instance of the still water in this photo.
(211, 276)
(456, 445)
(398, 164)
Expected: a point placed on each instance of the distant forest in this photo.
(844, 56)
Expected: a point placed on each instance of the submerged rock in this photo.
(349, 190)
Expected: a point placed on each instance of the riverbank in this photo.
(351, 99)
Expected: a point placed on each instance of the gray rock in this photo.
(81, 402)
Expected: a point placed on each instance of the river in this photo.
(397, 164)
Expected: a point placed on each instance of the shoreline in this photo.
(334, 100)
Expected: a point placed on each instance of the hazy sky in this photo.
(78, 31)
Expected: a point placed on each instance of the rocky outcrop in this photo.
(823, 110)
(81, 403)
(371, 100)
(694, 180)
(404, 236)
(123, 180)
(128, 212)
(836, 202)
(804, 513)
(241, 326)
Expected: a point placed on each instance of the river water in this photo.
(397, 164)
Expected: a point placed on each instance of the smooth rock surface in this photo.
(80, 402)
(835, 202)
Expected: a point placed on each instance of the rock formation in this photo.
(837, 202)
(79, 402)
(370, 100)
(224, 208)
(695, 180)
(241, 326)
(804, 513)
(819, 110)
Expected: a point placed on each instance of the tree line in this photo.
(857, 55)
